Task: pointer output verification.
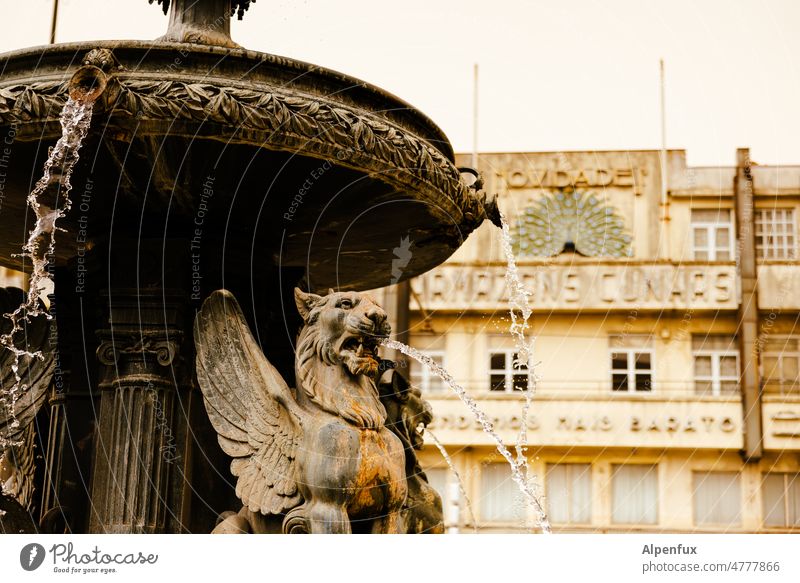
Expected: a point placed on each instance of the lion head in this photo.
(417, 415)
(342, 330)
(408, 413)
(350, 326)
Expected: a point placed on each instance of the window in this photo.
(433, 346)
(506, 372)
(780, 364)
(717, 499)
(631, 363)
(423, 377)
(634, 494)
(500, 497)
(712, 235)
(775, 234)
(439, 478)
(716, 365)
(569, 493)
(781, 495)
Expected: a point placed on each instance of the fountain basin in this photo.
(269, 160)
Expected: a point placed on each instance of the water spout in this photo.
(87, 84)
(486, 206)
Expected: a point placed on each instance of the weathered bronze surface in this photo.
(325, 456)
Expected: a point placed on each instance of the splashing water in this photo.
(40, 246)
(520, 312)
(523, 484)
(449, 461)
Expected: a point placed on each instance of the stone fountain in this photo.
(207, 167)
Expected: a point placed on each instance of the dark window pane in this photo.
(619, 382)
(520, 382)
(498, 361)
(498, 382)
(643, 361)
(643, 382)
(619, 361)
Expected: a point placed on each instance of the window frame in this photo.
(512, 510)
(422, 378)
(654, 470)
(711, 227)
(785, 495)
(793, 387)
(509, 372)
(716, 378)
(630, 359)
(763, 237)
(570, 467)
(702, 475)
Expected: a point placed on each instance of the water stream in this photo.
(520, 312)
(449, 461)
(525, 486)
(51, 189)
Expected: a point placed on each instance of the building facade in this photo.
(667, 347)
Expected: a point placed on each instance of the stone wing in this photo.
(250, 406)
(18, 411)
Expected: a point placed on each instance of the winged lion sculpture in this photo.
(320, 456)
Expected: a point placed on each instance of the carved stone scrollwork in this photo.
(150, 343)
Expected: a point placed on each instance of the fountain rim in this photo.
(434, 136)
(242, 96)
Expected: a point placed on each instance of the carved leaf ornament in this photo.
(289, 120)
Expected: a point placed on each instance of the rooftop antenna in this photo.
(475, 116)
(53, 23)
(664, 243)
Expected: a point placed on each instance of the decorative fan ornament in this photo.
(572, 219)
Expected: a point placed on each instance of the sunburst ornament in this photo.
(572, 219)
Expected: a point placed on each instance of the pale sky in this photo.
(554, 74)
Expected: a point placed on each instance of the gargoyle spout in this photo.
(87, 84)
(493, 211)
(485, 206)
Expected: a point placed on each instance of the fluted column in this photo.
(136, 445)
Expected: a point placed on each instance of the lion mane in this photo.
(328, 379)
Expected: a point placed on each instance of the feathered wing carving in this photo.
(250, 406)
(17, 415)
